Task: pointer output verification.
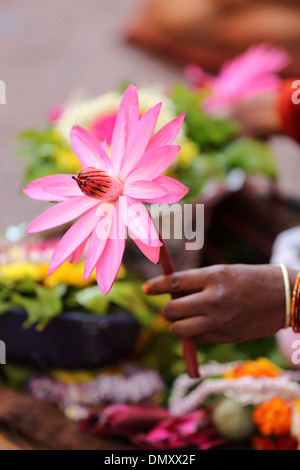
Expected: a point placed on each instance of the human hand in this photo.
(224, 303)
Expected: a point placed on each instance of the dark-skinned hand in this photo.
(224, 303)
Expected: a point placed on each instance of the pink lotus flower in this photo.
(107, 193)
(252, 73)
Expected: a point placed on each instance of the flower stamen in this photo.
(98, 184)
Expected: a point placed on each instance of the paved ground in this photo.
(48, 49)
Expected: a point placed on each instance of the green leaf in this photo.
(50, 304)
(5, 307)
(203, 169)
(31, 305)
(129, 296)
(61, 290)
(38, 136)
(224, 353)
(252, 156)
(209, 132)
(26, 286)
(17, 377)
(156, 302)
(38, 149)
(41, 308)
(92, 300)
(6, 291)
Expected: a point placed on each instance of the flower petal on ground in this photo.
(136, 217)
(62, 186)
(127, 117)
(174, 191)
(153, 163)
(99, 237)
(109, 263)
(138, 139)
(89, 150)
(144, 190)
(61, 213)
(167, 134)
(73, 238)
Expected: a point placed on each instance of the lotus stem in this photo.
(188, 345)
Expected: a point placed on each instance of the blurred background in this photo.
(49, 51)
(52, 50)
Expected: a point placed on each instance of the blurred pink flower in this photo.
(108, 192)
(103, 127)
(122, 420)
(190, 430)
(55, 112)
(252, 73)
(152, 427)
(289, 346)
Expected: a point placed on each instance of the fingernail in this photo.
(146, 288)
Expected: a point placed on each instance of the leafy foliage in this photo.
(41, 151)
(43, 303)
(209, 132)
(221, 148)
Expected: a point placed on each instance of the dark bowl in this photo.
(72, 340)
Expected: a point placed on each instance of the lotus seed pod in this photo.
(233, 420)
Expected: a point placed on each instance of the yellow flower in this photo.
(82, 376)
(70, 274)
(74, 376)
(55, 136)
(67, 159)
(19, 271)
(188, 152)
(43, 270)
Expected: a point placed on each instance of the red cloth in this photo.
(289, 112)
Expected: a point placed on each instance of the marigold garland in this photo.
(262, 367)
(285, 442)
(273, 417)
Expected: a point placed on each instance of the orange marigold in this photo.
(262, 367)
(285, 442)
(273, 417)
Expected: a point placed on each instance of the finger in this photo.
(191, 327)
(183, 282)
(189, 306)
(211, 338)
